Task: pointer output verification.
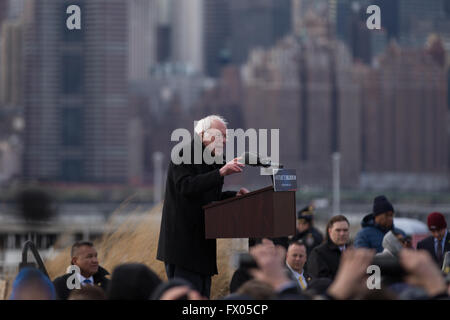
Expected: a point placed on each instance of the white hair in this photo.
(205, 123)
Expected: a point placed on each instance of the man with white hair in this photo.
(182, 245)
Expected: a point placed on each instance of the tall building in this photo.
(142, 17)
(305, 88)
(216, 35)
(75, 92)
(187, 34)
(15, 8)
(405, 141)
(257, 24)
(4, 9)
(163, 31)
(11, 63)
(348, 20)
(410, 22)
(388, 121)
(208, 34)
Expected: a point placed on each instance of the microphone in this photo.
(255, 160)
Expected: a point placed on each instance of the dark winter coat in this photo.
(182, 240)
(324, 260)
(60, 283)
(371, 235)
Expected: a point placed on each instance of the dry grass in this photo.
(136, 240)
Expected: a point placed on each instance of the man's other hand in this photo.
(242, 191)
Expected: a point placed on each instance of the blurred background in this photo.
(86, 115)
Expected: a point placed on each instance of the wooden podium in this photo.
(262, 213)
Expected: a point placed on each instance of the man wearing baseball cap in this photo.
(439, 242)
(306, 231)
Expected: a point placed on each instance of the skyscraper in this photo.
(412, 21)
(208, 34)
(304, 88)
(4, 7)
(187, 34)
(257, 24)
(11, 63)
(405, 121)
(142, 37)
(216, 35)
(15, 8)
(76, 92)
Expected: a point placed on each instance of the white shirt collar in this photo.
(81, 278)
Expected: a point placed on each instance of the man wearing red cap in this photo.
(439, 242)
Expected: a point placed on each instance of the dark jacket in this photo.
(182, 241)
(428, 245)
(240, 276)
(324, 261)
(60, 283)
(311, 237)
(371, 235)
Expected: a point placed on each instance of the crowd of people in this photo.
(302, 267)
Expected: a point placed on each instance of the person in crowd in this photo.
(87, 293)
(278, 241)
(31, 284)
(424, 273)
(324, 259)
(439, 242)
(241, 274)
(132, 281)
(189, 187)
(306, 231)
(176, 289)
(392, 245)
(376, 224)
(239, 277)
(271, 269)
(351, 279)
(84, 255)
(256, 290)
(295, 261)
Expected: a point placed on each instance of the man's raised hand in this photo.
(233, 166)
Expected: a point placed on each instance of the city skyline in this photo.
(97, 103)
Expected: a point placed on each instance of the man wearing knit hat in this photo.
(376, 224)
(439, 242)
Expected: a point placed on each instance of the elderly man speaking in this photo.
(182, 245)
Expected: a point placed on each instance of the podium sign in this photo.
(284, 180)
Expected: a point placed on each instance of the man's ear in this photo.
(74, 260)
